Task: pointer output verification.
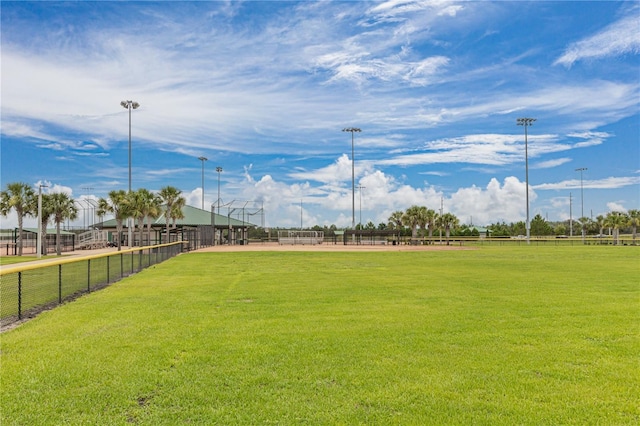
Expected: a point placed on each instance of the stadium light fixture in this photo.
(360, 188)
(353, 176)
(203, 159)
(130, 105)
(526, 122)
(219, 170)
(581, 169)
(39, 236)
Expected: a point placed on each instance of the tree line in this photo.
(142, 205)
(420, 221)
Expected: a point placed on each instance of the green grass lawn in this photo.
(511, 335)
(12, 260)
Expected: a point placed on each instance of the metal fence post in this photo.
(59, 284)
(19, 295)
(89, 275)
(108, 258)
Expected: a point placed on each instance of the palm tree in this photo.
(396, 220)
(616, 220)
(411, 218)
(118, 205)
(171, 196)
(20, 197)
(154, 210)
(143, 205)
(585, 222)
(176, 211)
(423, 219)
(634, 221)
(449, 220)
(45, 216)
(431, 217)
(62, 208)
(600, 222)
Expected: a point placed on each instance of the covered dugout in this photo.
(371, 236)
(196, 226)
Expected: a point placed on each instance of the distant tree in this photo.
(176, 211)
(448, 221)
(118, 204)
(20, 197)
(585, 224)
(600, 222)
(154, 210)
(518, 228)
(616, 220)
(500, 229)
(370, 226)
(431, 218)
(62, 207)
(560, 229)
(173, 201)
(395, 220)
(423, 219)
(382, 226)
(144, 205)
(634, 221)
(45, 217)
(539, 226)
(412, 218)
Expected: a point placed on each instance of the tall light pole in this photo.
(219, 170)
(353, 176)
(570, 216)
(39, 236)
(203, 159)
(215, 238)
(360, 188)
(526, 122)
(581, 169)
(129, 105)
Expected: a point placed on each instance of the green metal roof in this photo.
(192, 217)
(50, 231)
(480, 229)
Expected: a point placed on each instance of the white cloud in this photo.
(614, 206)
(621, 37)
(494, 203)
(606, 183)
(550, 163)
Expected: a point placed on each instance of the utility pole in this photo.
(203, 159)
(570, 217)
(526, 122)
(353, 176)
(360, 187)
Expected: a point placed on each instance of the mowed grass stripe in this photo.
(490, 336)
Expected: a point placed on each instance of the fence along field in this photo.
(497, 335)
(27, 289)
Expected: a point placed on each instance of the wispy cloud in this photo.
(620, 38)
(550, 163)
(606, 183)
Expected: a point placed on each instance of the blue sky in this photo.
(264, 89)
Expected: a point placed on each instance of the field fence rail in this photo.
(27, 289)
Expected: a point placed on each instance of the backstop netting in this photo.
(300, 237)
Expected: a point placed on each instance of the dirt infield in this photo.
(329, 247)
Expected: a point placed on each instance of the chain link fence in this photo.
(28, 289)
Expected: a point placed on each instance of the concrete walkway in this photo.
(52, 258)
